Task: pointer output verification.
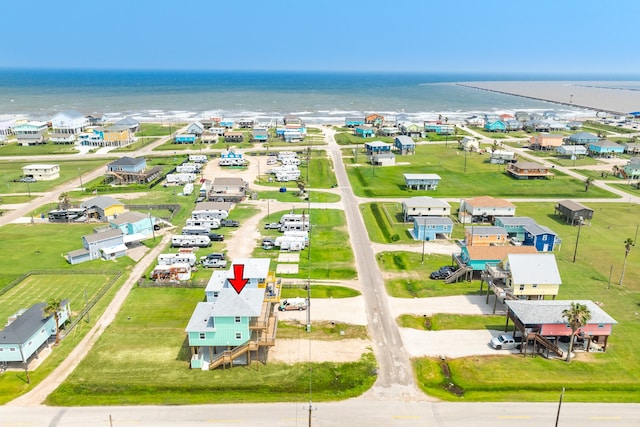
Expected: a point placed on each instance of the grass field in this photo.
(42, 287)
(142, 358)
(319, 291)
(13, 149)
(158, 129)
(449, 163)
(68, 170)
(291, 195)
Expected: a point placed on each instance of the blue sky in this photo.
(560, 36)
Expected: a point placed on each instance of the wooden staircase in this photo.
(549, 345)
(459, 273)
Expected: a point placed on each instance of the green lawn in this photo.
(330, 259)
(140, 143)
(291, 195)
(327, 331)
(158, 129)
(446, 321)
(449, 164)
(319, 291)
(142, 358)
(68, 170)
(14, 149)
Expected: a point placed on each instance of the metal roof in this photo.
(550, 311)
(539, 269)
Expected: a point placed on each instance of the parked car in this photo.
(272, 226)
(442, 273)
(515, 241)
(507, 342)
(28, 179)
(214, 263)
(293, 304)
(215, 237)
(229, 223)
(214, 255)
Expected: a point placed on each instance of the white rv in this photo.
(290, 161)
(283, 169)
(295, 226)
(188, 189)
(180, 178)
(291, 217)
(211, 223)
(198, 158)
(288, 176)
(288, 243)
(196, 231)
(286, 154)
(180, 257)
(188, 168)
(185, 241)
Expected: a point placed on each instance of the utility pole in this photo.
(559, 403)
(575, 251)
(80, 176)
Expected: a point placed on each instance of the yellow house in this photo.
(532, 276)
(103, 208)
(116, 136)
(485, 236)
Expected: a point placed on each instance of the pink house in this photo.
(544, 319)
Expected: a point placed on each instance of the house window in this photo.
(544, 237)
(522, 287)
(237, 319)
(215, 294)
(238, 335)
(534, 286)
(202, 335)
(600, 325)
(12, 349)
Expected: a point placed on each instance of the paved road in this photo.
(352, 413)
(395, 374)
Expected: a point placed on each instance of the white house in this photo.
(41, 172)
(424, 206)
(69, 121)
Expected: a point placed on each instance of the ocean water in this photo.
(315, 97)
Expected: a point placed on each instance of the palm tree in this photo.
(63, 201)
(627, 248)
(53, 307)
(577, 316)
(587, 183)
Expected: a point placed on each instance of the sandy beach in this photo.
(611, 97)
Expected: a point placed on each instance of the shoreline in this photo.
(580, 95)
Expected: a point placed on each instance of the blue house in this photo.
(128, 164)
(227, 123)
(133, 223)
(582, 138)
(429, 227)
(421, 181)
(28, 331)
(352, 122)
(229, 326)
(260, 134)
(440, 128)
(605, 147)
(540, 237)
(375, 147)
(404, 144)
(365, 131)
(495, 126)
(185, 138)
(477, 257)
(514, 226)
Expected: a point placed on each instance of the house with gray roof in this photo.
(524, 276)
(404, 144)
(69, 122)
(582, 138)
(431, 227)
(102, 207)
(421, 181)
(230, 326)
(104, 244)
(28, 331)
(545, 319)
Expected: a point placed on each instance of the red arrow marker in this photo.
(238, 283)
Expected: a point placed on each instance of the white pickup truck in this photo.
(506, 342)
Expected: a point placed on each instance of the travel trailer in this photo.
(185, 241)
